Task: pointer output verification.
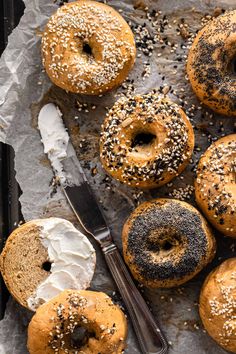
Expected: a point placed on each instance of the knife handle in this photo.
(150, 337)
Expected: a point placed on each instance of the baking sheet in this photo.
(25, 88)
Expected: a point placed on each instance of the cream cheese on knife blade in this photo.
(54, 137)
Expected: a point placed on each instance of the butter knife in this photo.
(79, 194)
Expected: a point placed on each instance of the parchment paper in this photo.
(24, 88)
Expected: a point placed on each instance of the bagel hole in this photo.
(167, 246)
(153, 246)
(47, 266)
(142, 139)
(234, 65)
(87, 49)
(80, 337)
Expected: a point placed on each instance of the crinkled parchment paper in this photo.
(24, 88)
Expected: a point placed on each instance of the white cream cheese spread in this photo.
(72, 259)
(54, 137)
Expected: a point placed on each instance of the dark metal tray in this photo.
(10, 215)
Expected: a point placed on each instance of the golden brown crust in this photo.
(104, 322)
(21, 262)
(88, 48)
(218, 304)
(211, 64)
(215, 187)
(166, 153)
(166, 242)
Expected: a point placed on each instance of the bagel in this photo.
(215, 187)
(78, 322)
(211, 64)
(146, 141)
(166, 242)
(87, 48)
(217, 304)
(43, 257)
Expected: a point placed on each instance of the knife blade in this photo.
(81, 198)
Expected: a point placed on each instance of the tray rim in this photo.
(10, 212)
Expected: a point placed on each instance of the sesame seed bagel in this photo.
(211, 64)
(218, 304)
(87, 48)
(78, 322)
(43, 257)
(166, 242)
(215, 184)
(146, 141)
